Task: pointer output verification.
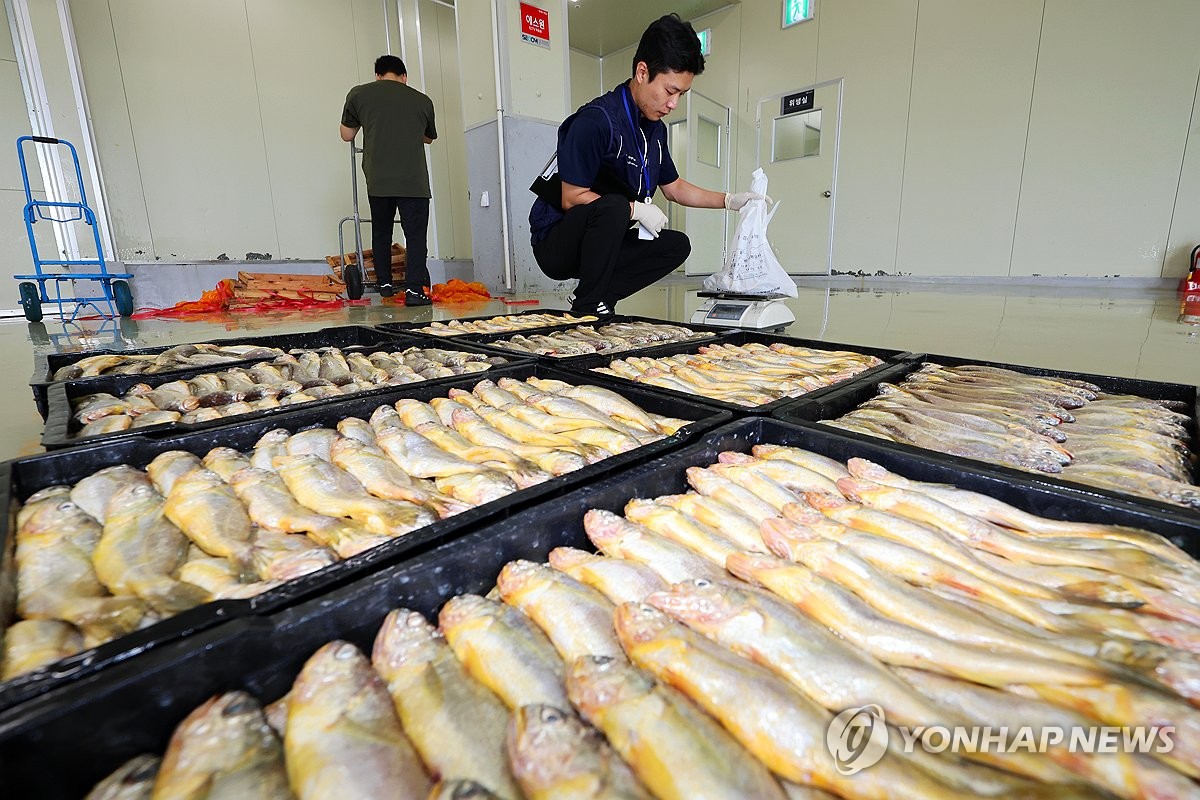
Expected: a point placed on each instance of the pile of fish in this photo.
(502, 324)
(651, 670)
(184, 356)
(605, 339)
(124, 548)
(301, 376)
(1056, 425)
(748, 374)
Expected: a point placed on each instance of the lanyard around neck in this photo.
(641, 156)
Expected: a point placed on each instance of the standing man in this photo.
(397, 123)
(594, 219)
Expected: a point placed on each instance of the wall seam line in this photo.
(262, 128)
(137, 161)
(912, 77)
(1037, 60)
(1187, 140)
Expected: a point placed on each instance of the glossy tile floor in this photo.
(1111, 331)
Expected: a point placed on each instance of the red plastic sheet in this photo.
(222, 298)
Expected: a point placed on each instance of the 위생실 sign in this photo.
(794, 103)
(535, 25)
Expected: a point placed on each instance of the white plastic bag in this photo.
(751, 267)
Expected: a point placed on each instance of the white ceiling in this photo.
(601, 27)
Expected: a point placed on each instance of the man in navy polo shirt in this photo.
(612, 155)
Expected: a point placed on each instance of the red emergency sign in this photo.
(535, 24)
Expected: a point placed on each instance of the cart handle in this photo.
(45, 139)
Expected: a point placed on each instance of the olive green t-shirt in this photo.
(395, 118)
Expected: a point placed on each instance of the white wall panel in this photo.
(1185, 221)
(870, 44)
(585, 78)
(194, 106)
(972, 85)
(1111, 108)
(447, 155)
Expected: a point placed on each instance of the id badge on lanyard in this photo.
(642, 157)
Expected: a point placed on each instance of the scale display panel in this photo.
(726, 311)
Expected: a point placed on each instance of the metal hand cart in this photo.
(352, 274)
(116, 289)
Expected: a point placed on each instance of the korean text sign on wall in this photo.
(535, 25)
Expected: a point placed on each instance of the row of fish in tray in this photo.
(611, 338)
(1057, 425)
(183, 356)
(748, 374)
(124, 548)
(704, 651)
(503, 323)
(289, 379)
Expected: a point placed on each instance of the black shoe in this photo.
(597, 309)
(386, 290)
(413, 297)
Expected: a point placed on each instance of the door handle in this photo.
(826, 193)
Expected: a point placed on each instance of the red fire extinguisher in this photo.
(1189, 291)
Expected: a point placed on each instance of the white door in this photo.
(707, 165)
(798, 150)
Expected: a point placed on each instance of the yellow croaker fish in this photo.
(205, 508)
(225, 749)
(524, 432)
(756, 481)
(272, 506)
(719, 487)
(33, 643)
(140, 551)
(381, 476)
(320, 486)
(421, 458)
(504, 651)
(270, 446)
(94, 492)
(617, 537)
(1000, 513)
(284, 556)
(822, 465)
(343, 737)
(55, 575)
(476, 488)
(728, 521)
(676, 751)
(356, 428)
(313, 442)
(555, 756)
(461, 790)
(456, 724)
(784, 729)
(168, 467)
(615, 406)
(133, 780)
(788, 474)
(897, 643)
(523, 473)
(576, 618)
(679, 527)
(225, 461)
(221, 579)
(552, 460)
(619, 580)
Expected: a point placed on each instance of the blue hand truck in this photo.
(116, 289)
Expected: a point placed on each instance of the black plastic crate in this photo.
(835, 404)
(22, 477)
(489, 339)
(137, 705)
(415, 326)
(44, 366)
(584, 364)
(60, 429)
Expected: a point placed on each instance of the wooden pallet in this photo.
(254, 287)
(398, 263)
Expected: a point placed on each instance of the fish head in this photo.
(463, 416)
(703, 479)
(273, 438)
(466, 610)
(748, 566)
(638, 623)
(544, 739)
(131, 496)
(866, 470)
(595, 683)
(862, 491)
(338, 667)
(785, 538)
(734, 457)
(519, 577)
(699, 602)
(223, 719)
(607, 530)
(384, 415)
(346, 446)
(564, 559)
(404, 639)
(461, 789)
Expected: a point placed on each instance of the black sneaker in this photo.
(413, 297)
(386, 290)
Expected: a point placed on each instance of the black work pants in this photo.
(414, 220)
(593, 243)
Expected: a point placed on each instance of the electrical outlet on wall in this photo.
(484, 200)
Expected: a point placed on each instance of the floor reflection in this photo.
(1133, 333)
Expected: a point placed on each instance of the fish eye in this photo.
(703, 583)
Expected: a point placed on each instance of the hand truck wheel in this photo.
(352, 275)
(123, 297)
(31, 301)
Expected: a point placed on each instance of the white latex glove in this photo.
(650, 216)
(736, 202)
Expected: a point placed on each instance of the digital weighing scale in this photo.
(757, 311)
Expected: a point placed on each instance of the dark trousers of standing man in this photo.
(593, 243)
(414, 220)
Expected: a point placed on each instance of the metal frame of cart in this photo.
(116, 293)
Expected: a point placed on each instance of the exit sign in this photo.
(535, 25)
(705, 37)
(797, 11)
